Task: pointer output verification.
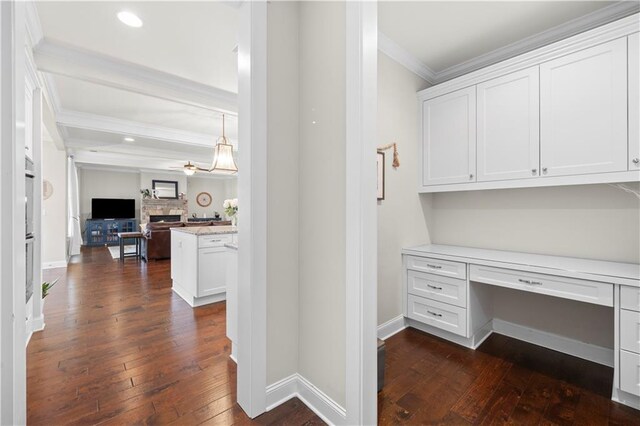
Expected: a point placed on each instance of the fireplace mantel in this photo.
(151, 206)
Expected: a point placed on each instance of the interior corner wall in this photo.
(282, 187)
(54, 209)
(403, 216)
(216, 187)
(322, 250)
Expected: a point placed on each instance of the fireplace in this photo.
(165, 218)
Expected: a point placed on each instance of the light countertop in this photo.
(625, 273)
(206, 230)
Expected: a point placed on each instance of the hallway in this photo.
(120, 347)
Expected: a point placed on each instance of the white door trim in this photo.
(252, 196)
(13, 392)
(361, 212)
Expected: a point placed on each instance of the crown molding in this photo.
(404, 58)
(603, 16)
(69, 61)
(34, 29)
(602, 34)
(100, 123)
(568, 29)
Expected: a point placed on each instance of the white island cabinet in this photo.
(199, 262)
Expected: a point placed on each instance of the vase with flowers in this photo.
(231, 210)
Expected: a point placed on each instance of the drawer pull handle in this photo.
(434, 287)
(435, 314)
(529, 282)
(434, 266)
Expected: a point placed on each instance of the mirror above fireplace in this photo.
(165, 189)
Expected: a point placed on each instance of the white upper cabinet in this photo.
(634, 101)
(508, 126)
(449, 138)
(583, 111)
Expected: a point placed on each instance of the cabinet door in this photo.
(583, 111)
(508, 126)
(634, 101)
(449, 138)
(28, 118)
(212, 270)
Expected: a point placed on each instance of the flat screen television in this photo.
(113, 208)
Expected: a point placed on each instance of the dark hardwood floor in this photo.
(120, 348)
(431, 381)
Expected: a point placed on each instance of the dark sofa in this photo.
(156, 238)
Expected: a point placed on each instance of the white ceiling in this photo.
(193, 40)
(94, 67)
(443, 34)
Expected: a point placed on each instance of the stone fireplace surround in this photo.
(152, 207)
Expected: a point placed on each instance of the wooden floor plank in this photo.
(120, 347)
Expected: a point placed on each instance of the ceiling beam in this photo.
(184, 153)
(81, 120)
(73, 62)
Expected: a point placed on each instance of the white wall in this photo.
(282, 187)
(95, 183)
(589, 221)
(322, 196)
(54, 209)
(218, 188)
(402, 215)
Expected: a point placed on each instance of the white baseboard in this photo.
(558, 343)
(37, 324)
(391, 327)
(56, 264)
(297, 386)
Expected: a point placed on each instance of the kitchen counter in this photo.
(206, 230)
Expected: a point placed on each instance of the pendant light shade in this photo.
(223, 161)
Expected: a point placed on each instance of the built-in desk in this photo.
(446, 293)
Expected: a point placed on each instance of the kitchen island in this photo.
(199, 262)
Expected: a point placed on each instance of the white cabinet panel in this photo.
(508, 126)
(630, 330)
(435, 287)
(449, 138)
(583, 111)
(28, 118)
(634, 101)
(551, 285)
(630, 298)
(630, 372)
(446, 317)
(446, 268)
(212, 270)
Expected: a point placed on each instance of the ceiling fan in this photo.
(223, 161)
(189, 169)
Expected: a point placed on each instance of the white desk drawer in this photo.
(630, 372)
(567, 288)
(630, 298)
(630, 330)
(441, 315)
(436, 287)
(214, 240)
(436, 266)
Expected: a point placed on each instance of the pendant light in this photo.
(223, 161)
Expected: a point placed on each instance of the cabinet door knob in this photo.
(534, 171)
(636, 161)
(544, 170)
(471, 176)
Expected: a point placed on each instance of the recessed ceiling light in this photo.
(130, 19)
(129, 139)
